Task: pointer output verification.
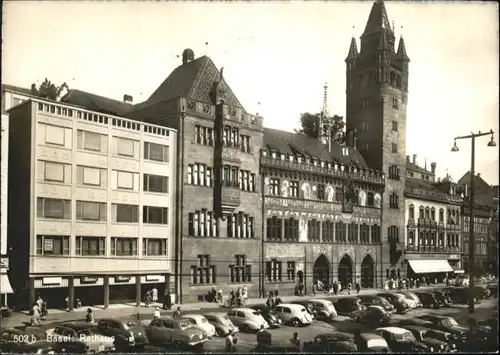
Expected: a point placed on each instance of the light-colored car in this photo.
(176, 332)
(201, 322)
(247, 319)
(78, 337)
(414, 297)
(223, 325)
(411, 302)
(323, 308)
(372, 343)
(294, 314)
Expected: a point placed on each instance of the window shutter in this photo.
(249, 273)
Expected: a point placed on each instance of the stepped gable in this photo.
(300, 144)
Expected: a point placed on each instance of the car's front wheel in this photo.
(220, 333)
(295, 322)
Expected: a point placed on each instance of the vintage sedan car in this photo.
(443, 299)
(424, 335)
(268, 314)
(411, 302)
(346, 305)
(265, 345)
(175, 332)
(447, 324)
(247, 319)
(369, 300)
(201, 322)
(324, 308)
(397, 300)
(128, 334)
(223, 325)
(459, 294)
(444, 336)
(308, 306)
(372, 315)
(30, 340)
(79, 337)
(401, 340)
(331, 343)
(414, 297)
(429, 300)
(293, 314)
(372, 343)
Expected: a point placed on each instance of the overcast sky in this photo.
(276, 54)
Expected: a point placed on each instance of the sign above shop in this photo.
(4, 263)
(89, 279)
(119, 279)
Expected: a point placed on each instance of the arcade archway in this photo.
(368, 272)
(345, 271)
(321, 270)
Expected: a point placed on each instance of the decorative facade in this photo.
(322, 214)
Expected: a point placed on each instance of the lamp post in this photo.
(491, 143)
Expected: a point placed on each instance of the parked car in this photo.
(175, 332)
(265, 345)
(293, 314)
(247, 319)
(481, 292)
(424, 336)
(269, 315)
(415, 321)
(201, 322)
(397, 301)
(372, 343)
(372, 315)
(411, 302)
(331, 343)
(221, 322)
(493, 288)
(346, 305)
(368, 300)
(29, 340)
(428, 300)
(309, 307)
(80, 337)
(446, 337)
(442, 298)
(447, 324)
(414, 297)
(127, 333)
(459, 294)
(324, 308)
(401, 340)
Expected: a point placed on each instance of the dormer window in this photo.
(290, 157)
(264, 153)
(273, 154)
(282, 156)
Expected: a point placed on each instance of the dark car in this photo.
(331, 343)
(481, 292)
(345, 306)
(447, 324)
(401, 340)
(424, 335)
(444, 336)
(265, 345)
(368, 300)
(80, 338)
(308, 306)
(372, 315)
(268, 314)
(397, 301)
(27, 341)
(443, 299)
(460, 294)
(428, 299)
(128, 334)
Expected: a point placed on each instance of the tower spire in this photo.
(324, 110)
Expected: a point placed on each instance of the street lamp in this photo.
(491, 143)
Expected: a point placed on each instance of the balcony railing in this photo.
(432, 249)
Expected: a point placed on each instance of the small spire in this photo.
(402, 50)
(353, 50)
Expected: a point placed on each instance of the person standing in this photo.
(229, 343)
(296, 341)
(89, 318)
(358, 288)
(154, 294)
(220, 295)
(177, 313)
(335, 288)
(156, 313)
(167, 300)
(270, 302)
(148, 298)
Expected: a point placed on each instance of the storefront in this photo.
(89, 290)
(53, 290)
(431, 270)
(5, 286)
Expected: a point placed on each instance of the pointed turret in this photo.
(402, 50)
(377, 20)
(353, 50)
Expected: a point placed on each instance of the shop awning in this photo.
(458, 271)
(5, 286)
(430, 266)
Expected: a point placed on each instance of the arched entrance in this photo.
(368, 272)
(345, 271)
(321, 270)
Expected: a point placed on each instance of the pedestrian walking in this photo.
(358, 288)
(156, 313)
(230, 343)
(148, 298)
(167, 300)
(349, 287)
(335, 288)
(296, 341)
(89, 317)
(220, 295)
(270, 302)
(154, 294)
(177, 313)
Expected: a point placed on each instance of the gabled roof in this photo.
(18, 89)
(415, 183)
(97, 103)
(414, 167)
(300, 144)
(193, 80)
(479, 183)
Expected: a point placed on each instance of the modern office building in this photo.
(91, 204)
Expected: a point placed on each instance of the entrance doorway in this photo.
(367, 272)
(345, 271)
(321, 271)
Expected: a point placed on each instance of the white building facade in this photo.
(99, 210)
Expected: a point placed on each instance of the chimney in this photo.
(478, 174)
(433, 167)
(408, 158)
(128, 99)
(415, 159)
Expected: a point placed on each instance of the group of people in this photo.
(273, 299)
(404, 283)
(236, 298)
(38, 312)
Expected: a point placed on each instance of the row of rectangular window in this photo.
(274, 271)
(204, 224)
(97, 211)
(96, 246)
(452, 240)
(288, 230)
(232, 176)
(430, 214)
(98, 177)
(97, 142)
(230, 138)
(204, 272)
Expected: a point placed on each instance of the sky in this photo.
(276, 58)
